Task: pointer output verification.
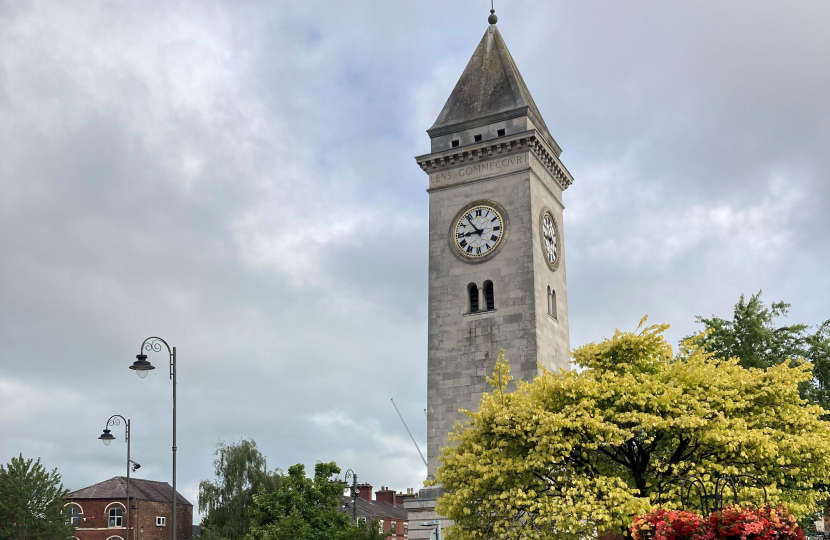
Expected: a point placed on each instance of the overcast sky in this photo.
(233, 176)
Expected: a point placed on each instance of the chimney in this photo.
(401, 497)
(365, 491)
(384, 494)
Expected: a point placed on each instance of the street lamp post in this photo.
(107, 437)
(437, 530)
(354, 492)
(142, 367)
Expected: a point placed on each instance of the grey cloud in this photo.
(238, 177)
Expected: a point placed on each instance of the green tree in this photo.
(240, 472)
(32, 502)
(573, 453)
(306, 509)
(757, 341)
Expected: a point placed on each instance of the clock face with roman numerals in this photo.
(550, 238)
(478, 231)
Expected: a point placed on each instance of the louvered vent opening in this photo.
(472, 291)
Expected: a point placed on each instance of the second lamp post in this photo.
(354, 492)
(142, 367)
(107, 437)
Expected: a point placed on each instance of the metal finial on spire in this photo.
(492, 19)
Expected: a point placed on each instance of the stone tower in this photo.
(496, 239)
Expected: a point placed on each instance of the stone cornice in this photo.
(482, 151)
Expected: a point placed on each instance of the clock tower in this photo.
(496, 239)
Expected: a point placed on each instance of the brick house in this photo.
(99, 512)
(387, 508)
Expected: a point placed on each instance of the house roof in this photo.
(140, 489)
(490, 89)
(374, 509)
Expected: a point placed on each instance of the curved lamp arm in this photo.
(115, 420)
(351, 474)
(154, 343)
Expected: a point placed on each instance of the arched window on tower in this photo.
(548, 299)
(472, 298)
(489, 297)
(552, 303)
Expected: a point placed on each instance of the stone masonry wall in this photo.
(463, 347)
(552, 335)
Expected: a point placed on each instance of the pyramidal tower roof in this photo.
(490, 89)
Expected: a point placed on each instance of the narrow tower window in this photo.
(488, 296)
(472, 298)
(552, 303)
(548, 299)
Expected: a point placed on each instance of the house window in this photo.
(361, 520)
(116, 517)
(472, 298)
(394, 528)
(380, 526)
(477, 138)
(500, 133)
(489, 298)
(161, 521)
(73, 515)
(405, 528)
(455, 143)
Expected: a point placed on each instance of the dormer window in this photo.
(455, 143)
(477, 138)
(500, 133)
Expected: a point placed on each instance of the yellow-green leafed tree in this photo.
(575, 453)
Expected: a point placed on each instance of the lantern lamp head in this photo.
(141, 366)
(106, 437)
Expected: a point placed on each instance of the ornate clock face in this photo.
(550, 239)
(478, 231)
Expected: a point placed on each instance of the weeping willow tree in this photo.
(241, 471)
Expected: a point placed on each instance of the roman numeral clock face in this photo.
(478, 231)
(550, 238)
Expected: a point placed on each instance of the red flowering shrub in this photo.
(765, 523)
(731, 523)
(661, 524)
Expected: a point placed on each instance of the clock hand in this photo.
(478, 231)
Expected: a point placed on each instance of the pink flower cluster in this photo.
(765, 523)
(731, 523)
(662, 524)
